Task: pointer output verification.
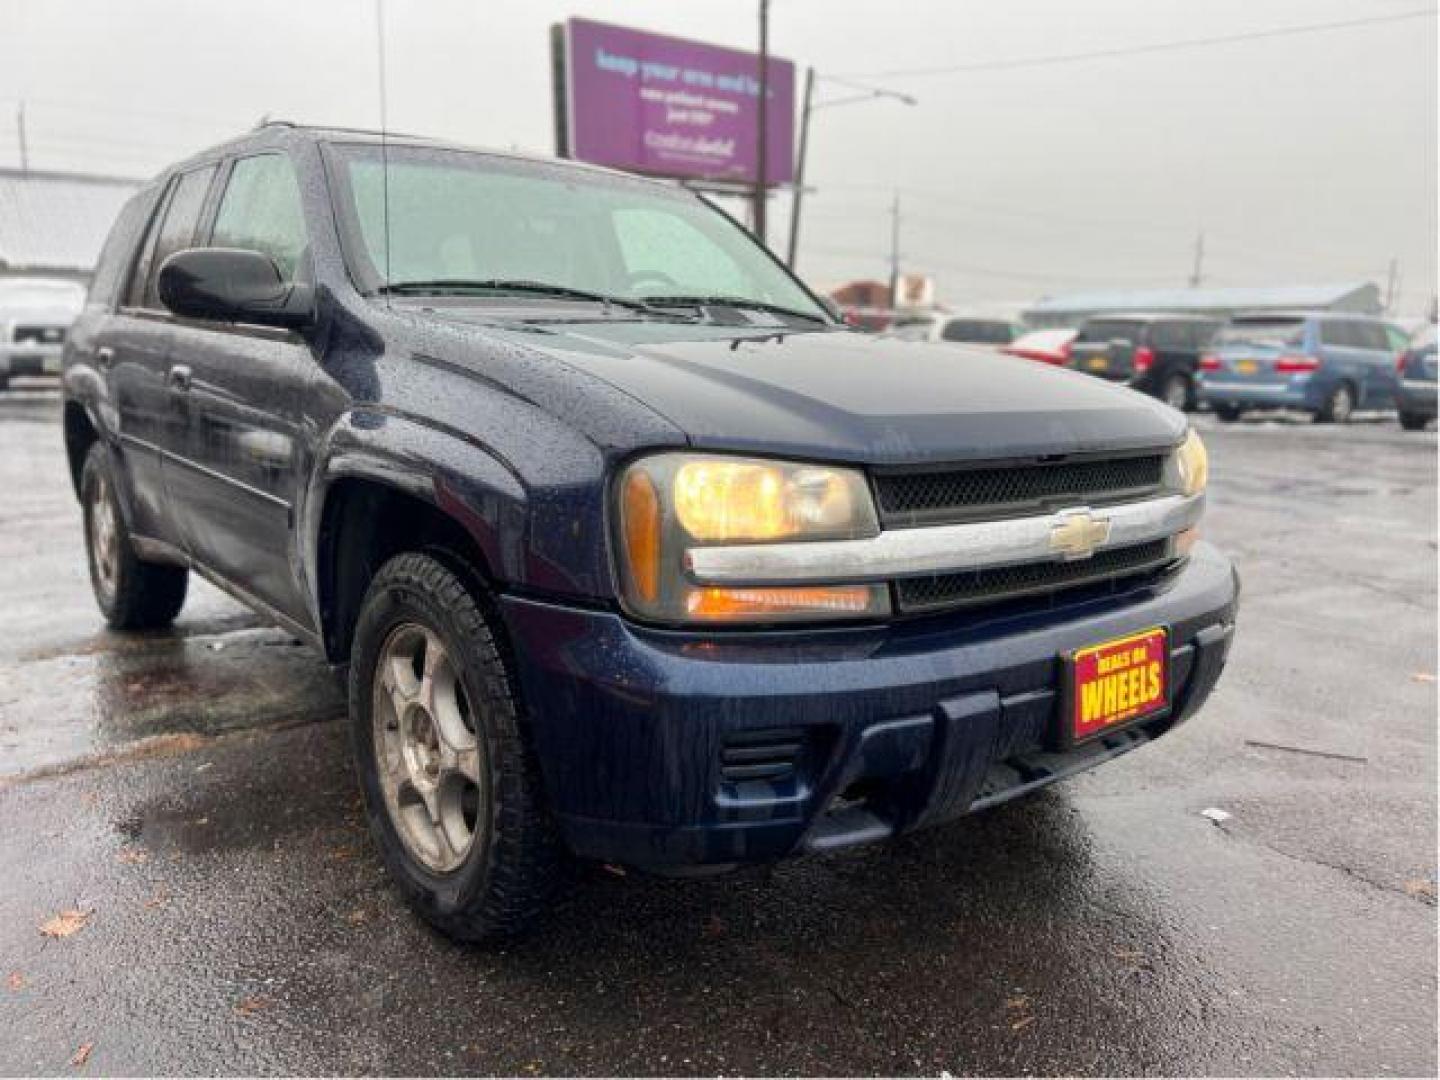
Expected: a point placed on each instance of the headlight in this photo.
(670, 503)
(1188, 470)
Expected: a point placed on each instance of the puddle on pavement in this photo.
(61, 706)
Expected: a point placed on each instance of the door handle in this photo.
(179, 377)
(104, 357)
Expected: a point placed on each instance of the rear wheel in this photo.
(452, 792)
(4, 382)
(1413, 421)
(1228, 413)
(132, 594)
(1339, 406)
(1178, 392)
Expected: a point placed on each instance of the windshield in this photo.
(457, 216)
(1105, 330)
(1275, 332)
(31, 293)
(978, 331)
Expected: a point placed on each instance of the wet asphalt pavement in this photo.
(192, 792)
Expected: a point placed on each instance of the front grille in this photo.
(772, 754)
(39, 335)
(972, 587)
(994, 491)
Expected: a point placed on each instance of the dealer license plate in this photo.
(1098, 363)
(1118, 682)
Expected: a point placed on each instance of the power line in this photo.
(1136, 50)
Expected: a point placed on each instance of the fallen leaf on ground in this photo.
(15, 981)
(252, 1004)
(713, 926)
(1018, 1002)
(82, 1054)
(1024, 1021)
(132, 856)
(158, 900)
(64, 924)
(1421, 888)
(358, 917)
(1128, 954)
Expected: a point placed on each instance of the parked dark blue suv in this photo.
(632, 552)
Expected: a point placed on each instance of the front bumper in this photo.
(1296, 392)
(644, 736)
(30, 359)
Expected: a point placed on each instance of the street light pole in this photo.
(867, 93)
(762, 133)
(794, 247)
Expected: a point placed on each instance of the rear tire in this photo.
(1339, 406)
(132, 594)
(1228, 413)
(1413, 421)
(452, 792)
(1178, 392)
(4, 382)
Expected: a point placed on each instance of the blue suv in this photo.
(630, 551)
(1328, 365)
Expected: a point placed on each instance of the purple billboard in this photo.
(670, 107)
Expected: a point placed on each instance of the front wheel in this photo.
(1339, 406)
(132, 594)
(452, 793)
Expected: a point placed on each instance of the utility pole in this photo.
(800, 169)
(1196, 272)
(762, 134)
(24, 146)
(895, 253)
(1391, 281)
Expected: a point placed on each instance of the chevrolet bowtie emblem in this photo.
(1078, 534)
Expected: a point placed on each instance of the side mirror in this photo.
(231, 285)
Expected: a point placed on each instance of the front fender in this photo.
(546, 538)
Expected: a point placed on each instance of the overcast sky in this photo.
(1305, 159)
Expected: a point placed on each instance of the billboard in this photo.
(670, 107)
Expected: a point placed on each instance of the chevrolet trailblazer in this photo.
(630, 552)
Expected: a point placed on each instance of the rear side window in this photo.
(1373, 336)
(1277, 332)
(1334, 332)
(261, 211)
(119, 245)
(978, 331)
(1099, 331)
(176, 229)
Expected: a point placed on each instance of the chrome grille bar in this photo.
(900, 553)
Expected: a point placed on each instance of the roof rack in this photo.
(297, 126)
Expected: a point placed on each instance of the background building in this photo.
(1069, 309)
(54, 223)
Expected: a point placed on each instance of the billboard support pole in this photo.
(794, 248)
(762, 135)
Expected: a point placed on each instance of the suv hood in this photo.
(844, 396)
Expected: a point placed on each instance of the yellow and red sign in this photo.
(1119, 681)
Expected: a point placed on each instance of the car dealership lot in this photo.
(192, 793)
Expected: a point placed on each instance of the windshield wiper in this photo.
(734, 302)
(468, 286)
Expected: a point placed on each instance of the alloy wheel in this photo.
(104, 537)
(427, 753)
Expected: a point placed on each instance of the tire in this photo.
(132, 594)
(452, 791)
(1228, 413)
(1178, 392)
(1339, 405)
(1413, 421)
(4, 382)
